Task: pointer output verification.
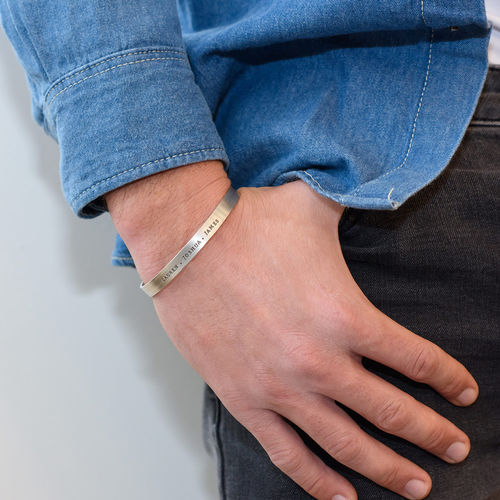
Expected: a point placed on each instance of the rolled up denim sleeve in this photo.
(111, 82)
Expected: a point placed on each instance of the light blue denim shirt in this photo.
(364, 100)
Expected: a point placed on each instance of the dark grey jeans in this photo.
(433, 266)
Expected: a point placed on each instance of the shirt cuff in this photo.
(125, 116)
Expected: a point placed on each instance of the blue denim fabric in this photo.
(365, 101)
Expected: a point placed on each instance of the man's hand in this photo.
(270, 317)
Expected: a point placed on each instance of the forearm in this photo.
(157, 215)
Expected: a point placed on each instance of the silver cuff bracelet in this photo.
(194, 245)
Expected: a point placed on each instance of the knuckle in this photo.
(305, 359)
(365, 330)
(278, 396)
(343, 446)
(436, 440)
(344, 316)
(393, 416)
(390, 476)
(286, 459)
(454, 385)
(257, 423)
(273, 391)
(233, 400)
(315, 485)
(291, 462)
(423, 364)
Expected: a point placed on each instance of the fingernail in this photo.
(338, 497)
(457, 451)
(468, 396)
(416, 489)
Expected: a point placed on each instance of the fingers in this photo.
(288, 452)
(397, 413)
(339, 436)
(389, 343)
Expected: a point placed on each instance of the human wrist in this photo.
(197, 241)
(156, 215)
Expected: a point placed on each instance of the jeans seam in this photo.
(158, 160)
(220, 453)
(484, 123)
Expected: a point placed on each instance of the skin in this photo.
(270, 317)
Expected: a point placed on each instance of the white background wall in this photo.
(95, 402)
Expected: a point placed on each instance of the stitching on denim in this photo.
(87, 68)
(77, 197)
(422, 11)
(414, 127)
(389, 195)
(321, 187)
(121, 258)
(218, 441)
(114, 67)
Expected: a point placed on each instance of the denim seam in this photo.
(218, 440)
(322, 188)
(414, 127)
(158, 160)
(114, 67)
(389, 196)
(87, 68)
(422, 11)
(121, 258)
(342, 197)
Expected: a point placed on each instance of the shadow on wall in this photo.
(88, 268)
